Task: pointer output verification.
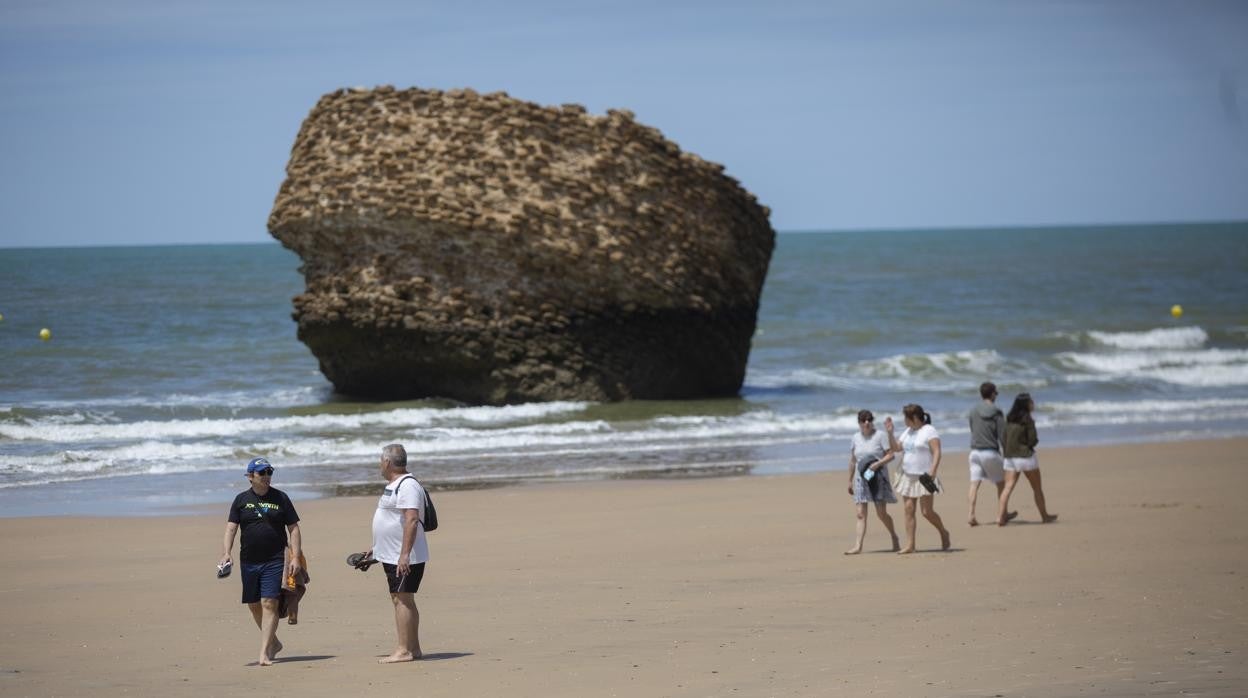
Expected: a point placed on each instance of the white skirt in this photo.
(909, 486)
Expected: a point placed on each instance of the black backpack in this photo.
(430, 522)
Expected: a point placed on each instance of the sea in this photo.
(168, 368)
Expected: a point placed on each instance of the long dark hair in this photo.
(913, 411)
(1020, 411)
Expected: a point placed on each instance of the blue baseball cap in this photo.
(258, 464)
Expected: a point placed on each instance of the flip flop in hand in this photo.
(361, 561)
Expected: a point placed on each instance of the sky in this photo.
(170, 122)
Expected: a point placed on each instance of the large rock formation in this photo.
(490, 250)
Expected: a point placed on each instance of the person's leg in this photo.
(977, 474)
(269, 646)
(1009, 515)
(926, 505)
(1003, 504)
(909, 503)
(256, 579)
(407, 628)
(881, 510)
(1033, 478)
(270, 588)
(860, 529)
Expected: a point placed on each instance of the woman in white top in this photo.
(919, 445)
(869, 455)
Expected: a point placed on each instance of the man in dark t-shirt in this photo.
(269, 523)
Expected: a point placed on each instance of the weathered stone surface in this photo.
(491, 250)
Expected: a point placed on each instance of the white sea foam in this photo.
(1196, 368)
(153, 454)
(512, 413)
(707, 431)
(1203, 407)
(1161, 412)
(953, 363)
(500, 441)
(941, 371)
(1159, 338)
(230, 400)
(54, 428)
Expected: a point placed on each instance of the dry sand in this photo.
(712, 587)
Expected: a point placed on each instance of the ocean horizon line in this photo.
(1022, 227)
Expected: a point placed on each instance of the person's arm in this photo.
(227, 542)
(1033, 439)
(411, 519)
(853, 467)
(1000, 421)
(296, 548)
(884, 459)
(934, 444)
(294, 537)
(893, 447)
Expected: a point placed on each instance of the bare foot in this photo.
(944, 540)
(1050, 518)
(1011, 516)
(264, 661)
(896, 544)
(852, 551)
(906, 551)
(972, 521)
(398, 657)
(277, 647)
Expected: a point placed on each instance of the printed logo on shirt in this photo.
(262, 508)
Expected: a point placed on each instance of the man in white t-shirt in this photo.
(400, 546)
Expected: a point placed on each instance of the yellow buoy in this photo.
(45, 334)
(1176, 310)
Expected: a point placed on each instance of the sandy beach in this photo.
(710, 587)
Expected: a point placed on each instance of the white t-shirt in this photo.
(917, 455)
(388, 521)
(875, 445)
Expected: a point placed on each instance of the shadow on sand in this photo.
(437, 656)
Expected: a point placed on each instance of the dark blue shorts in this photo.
(262, 580)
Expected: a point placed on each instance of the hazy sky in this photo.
(137, 121)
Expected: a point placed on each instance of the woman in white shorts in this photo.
(1020, 457)
(920, 446)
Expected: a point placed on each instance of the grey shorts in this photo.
(986, 464)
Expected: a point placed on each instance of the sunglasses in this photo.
(267, 472)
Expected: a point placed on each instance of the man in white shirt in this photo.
(399, 544)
